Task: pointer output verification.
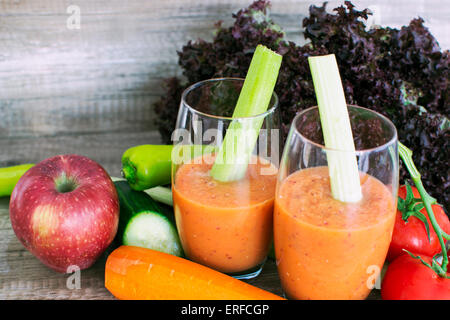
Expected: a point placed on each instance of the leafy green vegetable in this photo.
(401, 73)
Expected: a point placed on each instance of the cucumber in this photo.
(143, 223)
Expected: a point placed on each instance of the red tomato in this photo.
(412, 235)
(408, 279)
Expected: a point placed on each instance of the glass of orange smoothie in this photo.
(325, 248)
(227, 226)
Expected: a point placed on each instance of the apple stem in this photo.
(65, 184)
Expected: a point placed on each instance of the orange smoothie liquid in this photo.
(327, 249)
(225, 225)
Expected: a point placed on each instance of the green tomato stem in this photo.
(406, 156)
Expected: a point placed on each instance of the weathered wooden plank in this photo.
(100, 112)
(122, 51)
(106, 149)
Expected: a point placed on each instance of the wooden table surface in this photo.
(22, 276)
(89, 90)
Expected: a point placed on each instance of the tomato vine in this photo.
(427, 200)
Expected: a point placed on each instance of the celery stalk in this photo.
(336, 128)
(161, 194)
(235, 152)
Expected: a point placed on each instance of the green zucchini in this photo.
(143, 223)
(9, 176)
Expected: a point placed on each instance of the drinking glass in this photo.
(226, 225)
(325, 248)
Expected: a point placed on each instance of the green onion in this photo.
(160, 194)
(337, 131)
(237, 147)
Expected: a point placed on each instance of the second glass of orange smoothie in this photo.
(227, 226)
(325, 248)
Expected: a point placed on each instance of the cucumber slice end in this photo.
(153, 231)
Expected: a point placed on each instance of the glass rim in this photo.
(391, 141)
(203, 114)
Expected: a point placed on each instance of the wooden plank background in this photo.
(90, 90)
(61, 84)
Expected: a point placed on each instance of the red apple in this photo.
(65, 211)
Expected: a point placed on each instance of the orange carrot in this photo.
(135, 273)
